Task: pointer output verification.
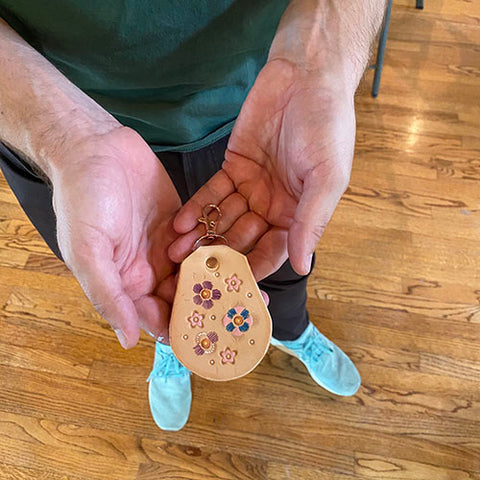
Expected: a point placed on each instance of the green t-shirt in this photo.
(177, 71)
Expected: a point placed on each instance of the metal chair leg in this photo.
(381, 50)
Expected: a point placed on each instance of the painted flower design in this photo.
(228, 356)
(237, 321)
(206, 343)
(196, 319)
(233, 283)
(205, 294)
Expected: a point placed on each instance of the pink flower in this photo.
(228, 356)
(205, 294)
(196, 319)
(237, 321)
(233, 283)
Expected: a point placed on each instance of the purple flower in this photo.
(205, 343)
(205, 294)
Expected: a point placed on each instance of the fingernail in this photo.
(121, 337)
(147, 331)
(308, 264)
(162, 339)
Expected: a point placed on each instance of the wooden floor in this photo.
(397, 286)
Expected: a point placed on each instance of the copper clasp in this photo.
(210, 224)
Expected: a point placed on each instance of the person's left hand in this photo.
(287, 164)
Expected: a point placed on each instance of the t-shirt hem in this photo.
(198, 144)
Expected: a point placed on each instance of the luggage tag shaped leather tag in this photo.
(220, 327)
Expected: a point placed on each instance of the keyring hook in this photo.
(210, 225)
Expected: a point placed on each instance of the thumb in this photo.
(318, 201)
(101, 282)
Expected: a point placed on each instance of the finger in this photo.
(258, 185)
(154, 310)
(315, 209)
(154, 315)
(265, 297)
(217, 189)
(269, 254)
(242, 236)
(246, 231)
(166, 289)
(102, 284)
(233, 207)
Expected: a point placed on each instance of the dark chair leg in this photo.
(419, 4)
(381, 51)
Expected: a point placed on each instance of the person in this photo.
(113, 116)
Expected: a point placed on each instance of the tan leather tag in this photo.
(220, 327)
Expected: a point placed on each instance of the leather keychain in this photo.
(220, 327)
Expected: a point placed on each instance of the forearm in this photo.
(329, 38)
(42, 113)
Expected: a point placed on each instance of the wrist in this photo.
(328, 40)
(43, 114)
(52, 143)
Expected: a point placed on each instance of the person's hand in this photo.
(287, 165)
(115, 205)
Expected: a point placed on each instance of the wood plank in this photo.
(372, 466)
(282, 471)
(80, 439)
(396, 329)
(108, 373)
(5, 292)
(338, 426)
(47, 264)
(126, 411)
(63, 461)
(42, 281)
(59, 310)
(174, 462)
(11, 472)
(34, 359)
(445, 366)
(362, 354)
(349, 292)
(72, 346)
(421, 393)
(12, 257)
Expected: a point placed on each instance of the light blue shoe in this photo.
(169, 390)
(325, 362)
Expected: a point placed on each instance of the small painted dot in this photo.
(185, 337)
(213, 317)
(212, 362)
(252, 341)
(249, 295)
(228, 356)
(217, 274)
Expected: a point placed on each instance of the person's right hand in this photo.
(115, 205)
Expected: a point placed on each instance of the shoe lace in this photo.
(314, 347)
(166, 365)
